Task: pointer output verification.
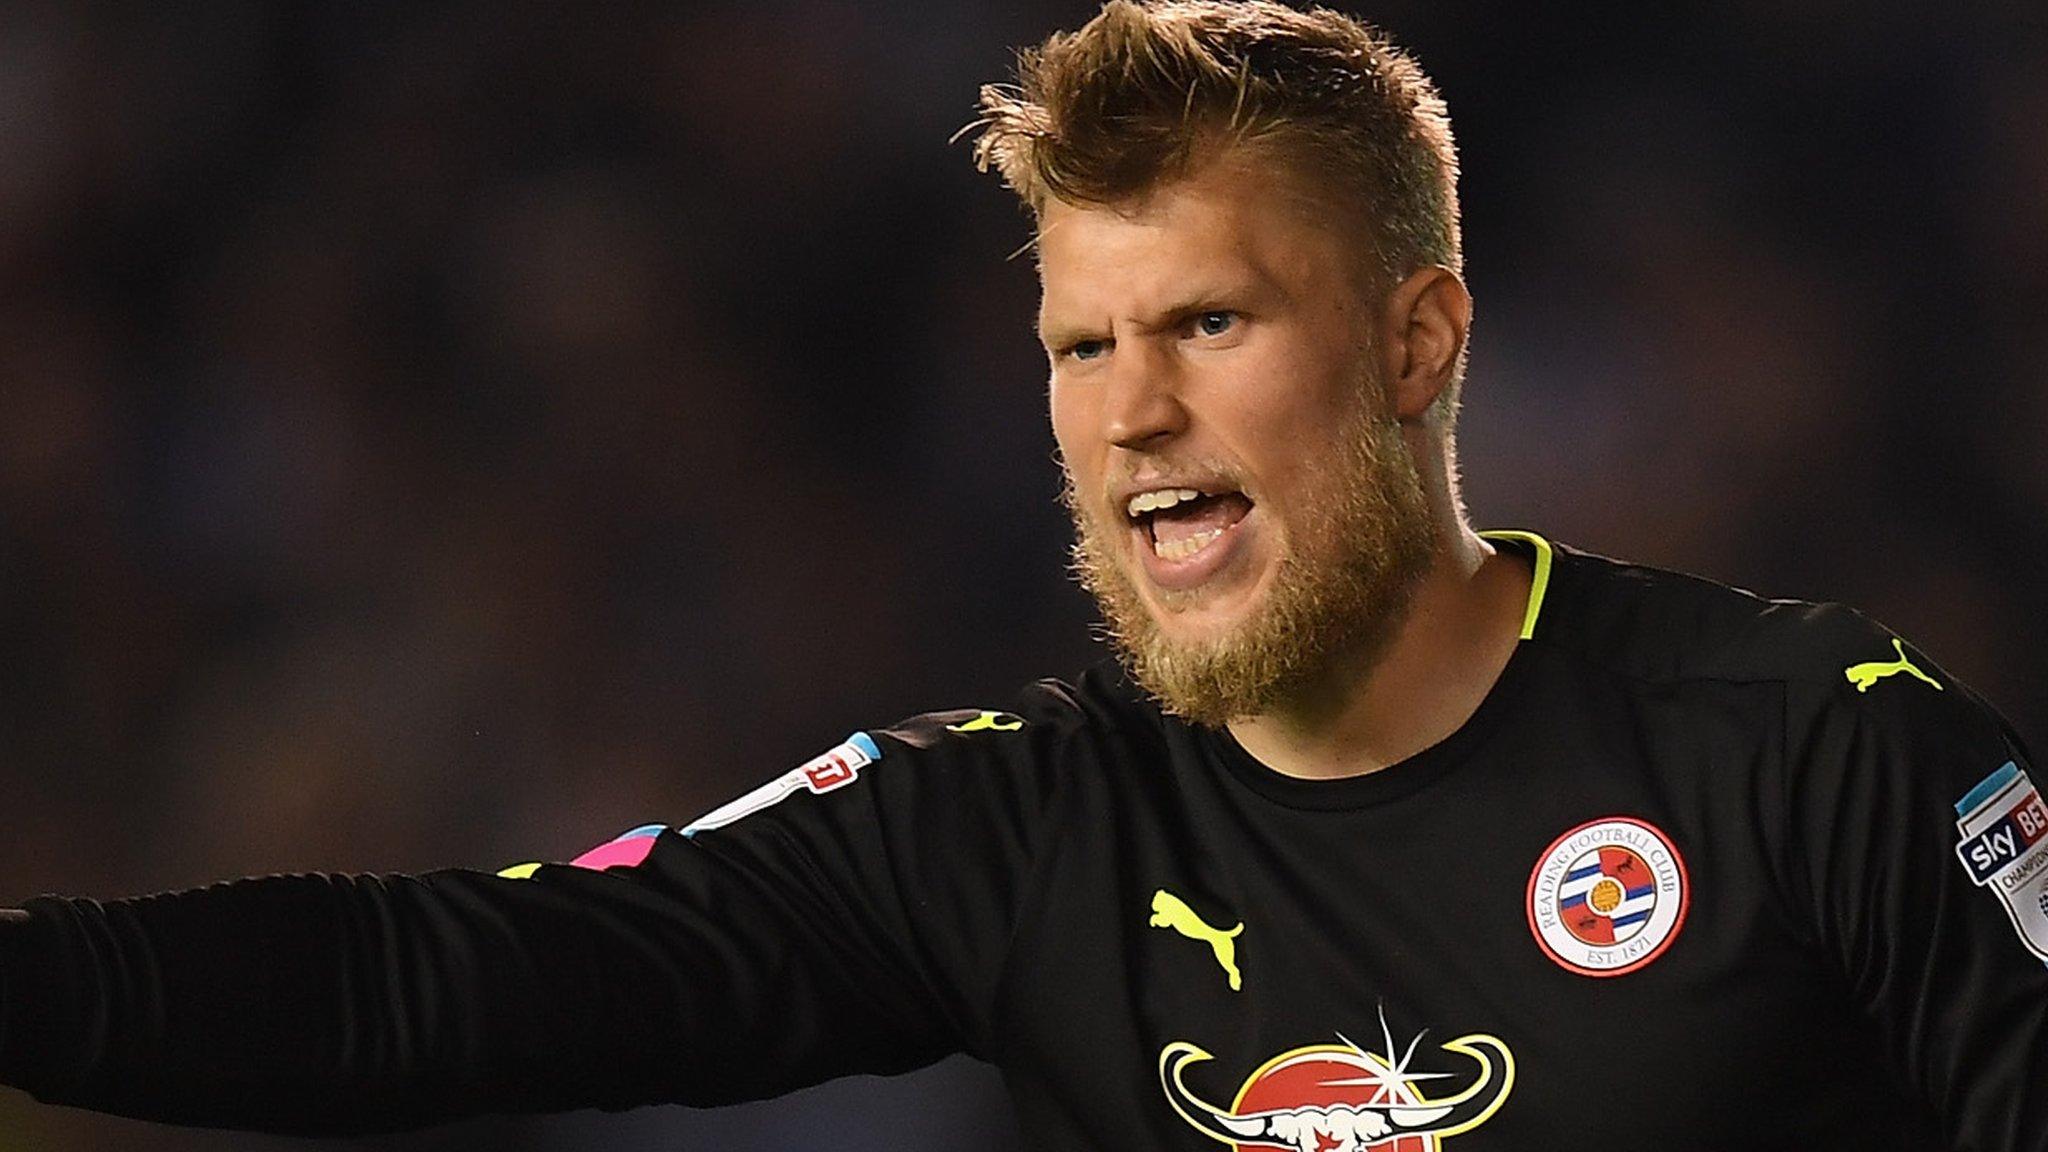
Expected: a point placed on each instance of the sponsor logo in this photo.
(1170, 911)
(2003, 827)
(989, 722)
(1341, 1098)
(1608, 896)
(1864, 676)
(835, 769)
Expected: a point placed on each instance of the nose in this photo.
(1142, 406)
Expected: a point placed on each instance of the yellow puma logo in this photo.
(989, 722)
(1170, 911)
(1865, 675)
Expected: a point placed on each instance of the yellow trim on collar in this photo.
(1541, 584)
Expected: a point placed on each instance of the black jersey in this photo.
(1703, 871)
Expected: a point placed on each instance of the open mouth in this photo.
(1181, 522)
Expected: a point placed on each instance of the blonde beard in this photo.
(1338, 595)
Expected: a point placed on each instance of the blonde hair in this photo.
(1145, 92)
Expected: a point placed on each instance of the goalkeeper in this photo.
(1383, 827)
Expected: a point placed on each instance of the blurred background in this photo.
(454, 434)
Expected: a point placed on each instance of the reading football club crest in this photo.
(1608, 896)
(2004, 830)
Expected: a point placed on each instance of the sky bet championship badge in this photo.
(1608, 896)
(2004, 827)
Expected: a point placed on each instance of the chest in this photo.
(1586, 940)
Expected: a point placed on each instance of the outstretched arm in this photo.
(327, 1004)
(852, 915)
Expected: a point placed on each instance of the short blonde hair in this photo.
(1146, 91)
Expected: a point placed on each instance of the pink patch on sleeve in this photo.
(627, 852)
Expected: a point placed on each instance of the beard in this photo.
(1341, 588)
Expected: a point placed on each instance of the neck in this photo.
(1461, 626)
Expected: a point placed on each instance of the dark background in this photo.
(455, 434)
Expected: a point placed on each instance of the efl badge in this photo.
(1608, 896)
(835, 769)
(2004, 827)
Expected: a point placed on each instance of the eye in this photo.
(1087, 349)
(1215, 323)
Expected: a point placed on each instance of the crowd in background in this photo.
(452, 435)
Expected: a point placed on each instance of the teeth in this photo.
(1186, 546)
(1145, 502)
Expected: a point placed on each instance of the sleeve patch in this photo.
(2003, 826)
(626, 851)
(835, 769)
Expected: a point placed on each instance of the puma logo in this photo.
(1865, 675)
(989, 722)
(1170, 911)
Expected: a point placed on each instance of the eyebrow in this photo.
(1249, 290)
(1061, 335)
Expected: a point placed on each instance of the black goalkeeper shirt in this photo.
(1703, 871)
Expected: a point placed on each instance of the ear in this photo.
(1423, 327)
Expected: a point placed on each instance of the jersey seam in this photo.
(1788, 907)
(1800, 910)
(1589, 658)
(917, 952)
(1030, 888)
(830, 902)
(1663, 579)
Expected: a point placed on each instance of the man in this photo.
(1398, 837)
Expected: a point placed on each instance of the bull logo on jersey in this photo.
(1342, 1098)
(1608, 896)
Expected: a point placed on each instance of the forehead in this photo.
(1228, 227)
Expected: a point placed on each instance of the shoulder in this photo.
(1009, 756)
(1044, 724)
(1657, 624)
(1835, 665)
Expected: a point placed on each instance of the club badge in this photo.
(1608, 896)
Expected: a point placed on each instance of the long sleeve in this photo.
(1925, 857)
(848, 919)
(338, 1004)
